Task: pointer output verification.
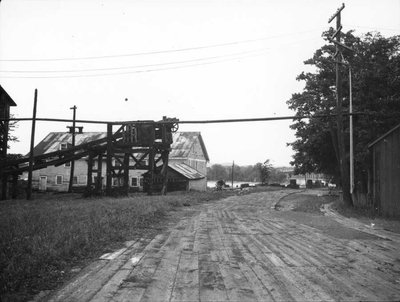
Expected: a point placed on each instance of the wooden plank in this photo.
(187, 278)
(211, 283)
(109, 160)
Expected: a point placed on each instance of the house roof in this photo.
(181, 146)
(383, 136)
(53, 140)
(183, 143)
(6, 98)
(186, 171)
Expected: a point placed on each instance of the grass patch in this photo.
(313, 204)
(307, 203)
(355, 212)
(42, 240)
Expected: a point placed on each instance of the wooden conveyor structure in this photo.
(143, 145)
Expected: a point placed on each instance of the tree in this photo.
(375, 65)
(264, 171)
(217, 172)
(12, 125)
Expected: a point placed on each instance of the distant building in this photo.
(384, 181)
(187, 164)
(302, 179)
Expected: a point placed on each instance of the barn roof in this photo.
(186, 171)
(183, 142)
(383, 136)
(5, 97)
(53, 140)
(181, 146)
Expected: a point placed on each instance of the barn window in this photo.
(134, 182)
(63, 146)
(59, 180)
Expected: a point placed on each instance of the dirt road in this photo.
(242, 249)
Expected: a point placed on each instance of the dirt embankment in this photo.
(314, 202)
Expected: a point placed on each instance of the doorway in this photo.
(43, 183)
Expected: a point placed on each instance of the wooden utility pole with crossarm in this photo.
(343, 164)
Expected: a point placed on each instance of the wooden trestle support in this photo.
(143, 145)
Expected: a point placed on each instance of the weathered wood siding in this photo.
(386, 174)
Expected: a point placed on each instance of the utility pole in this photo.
(233, 167)
(344, 168)
(29, 189)
(351, 134)
(72, 168)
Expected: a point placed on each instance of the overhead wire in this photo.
(370, 27)
(132, 72)
(135, 66)
(156, 51)
(149, 67)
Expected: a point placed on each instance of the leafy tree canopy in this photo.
(375, 66)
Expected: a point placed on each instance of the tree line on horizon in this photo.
(260, 173)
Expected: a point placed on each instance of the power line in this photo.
(156, 51)
(370, 27)
(149, 65)
(260, 119)
(131, 72)
(135, 66)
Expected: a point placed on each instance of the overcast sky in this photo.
(193, 60)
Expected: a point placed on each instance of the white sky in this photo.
(252, 75)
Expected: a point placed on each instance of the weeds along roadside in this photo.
(41, 240)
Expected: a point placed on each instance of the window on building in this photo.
(63, 146)
(67, 164)
(141, 181)
(134, 182)
(59, 180)
(75, 180)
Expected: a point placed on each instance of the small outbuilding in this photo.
(385, 176)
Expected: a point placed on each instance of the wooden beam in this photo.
(86, 146)
(164, 172)
(89, 174)
(126, 173)
(99, 183)
(29, 189)
(109, 159)
(151, 171)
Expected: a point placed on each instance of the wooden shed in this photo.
(385, 176)
(180, 177)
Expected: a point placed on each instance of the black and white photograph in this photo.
(199, 150)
